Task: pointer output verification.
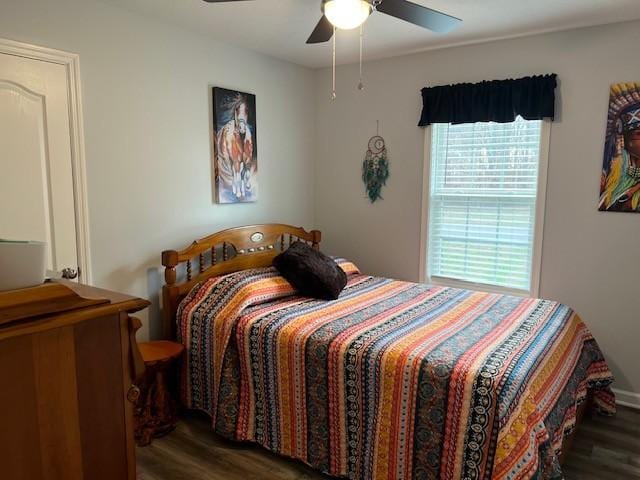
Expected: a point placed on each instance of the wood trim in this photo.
(71, 61)
(129, 353)
(101, 398)
(224, 252)
(136, 361)
(55, 367)
(108, 303)
(70, 417)
(20, 432)
(16, 305)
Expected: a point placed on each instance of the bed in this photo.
(393, 380)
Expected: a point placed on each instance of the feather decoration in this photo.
(375, 168)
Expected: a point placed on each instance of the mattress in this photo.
(393, 380)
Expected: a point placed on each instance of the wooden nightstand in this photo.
(155, 412)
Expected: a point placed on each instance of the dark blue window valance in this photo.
(500, 101)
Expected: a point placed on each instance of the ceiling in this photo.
(280, 27)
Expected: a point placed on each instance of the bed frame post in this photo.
(316, 238)
(169, 294)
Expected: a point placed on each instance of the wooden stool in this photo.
(155, 411)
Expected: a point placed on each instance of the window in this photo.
(483, 204)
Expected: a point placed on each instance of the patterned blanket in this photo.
(394, 380)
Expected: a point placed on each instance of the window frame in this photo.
(538, 236)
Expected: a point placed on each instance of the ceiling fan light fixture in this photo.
(347, 14)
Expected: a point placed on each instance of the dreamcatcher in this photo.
(375, 168)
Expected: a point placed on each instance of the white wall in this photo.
(146, 109)
(145, 87)
(590, 258)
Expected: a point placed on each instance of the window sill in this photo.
(480, 287)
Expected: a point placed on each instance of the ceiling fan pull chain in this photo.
(333, 91)
(361, 83)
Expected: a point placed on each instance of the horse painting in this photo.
(235, 149)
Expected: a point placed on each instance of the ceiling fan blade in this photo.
(323, 31)
(418, 15)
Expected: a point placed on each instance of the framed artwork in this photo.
(620, 179)
(235, 149)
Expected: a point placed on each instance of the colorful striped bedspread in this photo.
(394, 380)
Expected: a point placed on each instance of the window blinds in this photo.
(482, 209)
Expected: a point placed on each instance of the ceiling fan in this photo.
(348, 14)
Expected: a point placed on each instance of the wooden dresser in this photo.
(68, 363)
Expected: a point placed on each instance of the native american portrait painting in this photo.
(620, 181)
(235, 149)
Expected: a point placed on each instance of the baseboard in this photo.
(627, 399)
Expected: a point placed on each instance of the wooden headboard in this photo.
(221, 253)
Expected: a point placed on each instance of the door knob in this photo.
(69, 273)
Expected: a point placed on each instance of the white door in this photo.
(36, 175)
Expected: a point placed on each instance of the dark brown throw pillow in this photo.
(311, 272)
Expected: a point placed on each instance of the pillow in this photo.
(311, 272)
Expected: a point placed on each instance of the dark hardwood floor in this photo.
(604, 449)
